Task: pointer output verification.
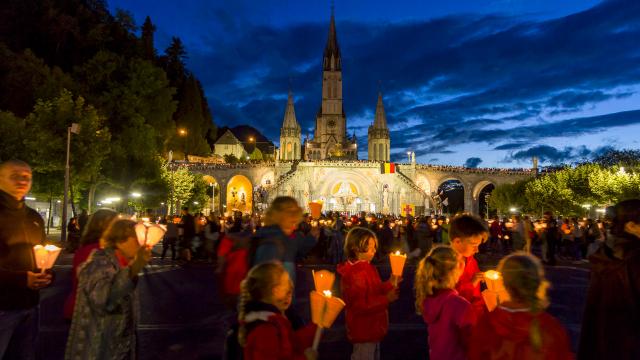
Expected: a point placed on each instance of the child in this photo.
(449, 316)
(366, 297)
(467, 232)
(520, 328)
(265, 332)
(104, 321)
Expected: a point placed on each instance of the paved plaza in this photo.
(183, 318)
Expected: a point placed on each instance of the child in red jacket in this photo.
(467, 232)
(449, 316)
(366, 296)
(265, 333)
(520, 328)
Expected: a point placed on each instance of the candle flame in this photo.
(492, 275)
(397, 252)
(327, 293)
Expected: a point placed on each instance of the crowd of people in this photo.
(256, 257)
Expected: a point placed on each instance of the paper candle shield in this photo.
(323, 280)
(45, 256)
(397, 263)
(154, 234)
(493, 279)
(324, 309)
(315, 208)
(149, 235)
(141, 233)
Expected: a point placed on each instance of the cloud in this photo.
(552, 155)
(472, 162)
(498, 80)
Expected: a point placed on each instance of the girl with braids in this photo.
(520, 328)
(449, 316)
(265, 333)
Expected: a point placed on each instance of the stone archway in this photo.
(346, 191)
(453, 195)
(239, 194)
(480, 192)
(214, 192)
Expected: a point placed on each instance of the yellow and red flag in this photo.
(387, 168)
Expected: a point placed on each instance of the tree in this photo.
(628, 158)
(175, 55)
(189, 116)
(45, 139)
(230, 159)
(11, 133)
(148, 50)
(507, 196)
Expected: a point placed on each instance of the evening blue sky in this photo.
(482, 82)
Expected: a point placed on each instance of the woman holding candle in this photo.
(265, 332)
(450, 317)
(104, 325)
(520, 328)
(367, 298)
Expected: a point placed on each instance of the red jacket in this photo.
(275, 339)
(504, 334)
(465, 287)
(235, 265)
(365, 295)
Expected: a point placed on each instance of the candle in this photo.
(325, 308)
(149, 235)
(323, 280)
(397, 261)
(494, 282)
(316, 208)
(45, 256)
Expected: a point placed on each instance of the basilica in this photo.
(326, 168)
(330, 138)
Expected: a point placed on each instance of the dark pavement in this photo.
(183, 318)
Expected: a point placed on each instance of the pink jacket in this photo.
(450, 319)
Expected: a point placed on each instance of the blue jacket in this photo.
(274, 245)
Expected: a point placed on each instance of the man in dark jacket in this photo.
(611, 322)
(188, 226)
(20, 229)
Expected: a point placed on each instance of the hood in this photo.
(348, 267)
(432, 306)
(606, 258)
(259, 311)
(513, 325)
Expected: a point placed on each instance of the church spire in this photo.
(331, 58)
(380, 121)
(290, 121)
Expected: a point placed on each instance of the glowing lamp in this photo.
(495, 286)
(316, 208)
(45, 256)
(323, 280)
(397, 261)
(149, 234)
(325, 308)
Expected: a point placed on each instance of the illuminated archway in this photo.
(239, 194)
(213, 193)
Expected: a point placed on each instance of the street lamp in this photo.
(74, 128)
(213, 197)
(409, 155)
(183, 134)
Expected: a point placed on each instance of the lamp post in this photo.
(183, 134)
(74, 128)
(252, 140)
(213, 197)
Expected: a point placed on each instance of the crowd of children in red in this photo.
(463, 322)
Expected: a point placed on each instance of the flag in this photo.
(408, 210)
(387, 168)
